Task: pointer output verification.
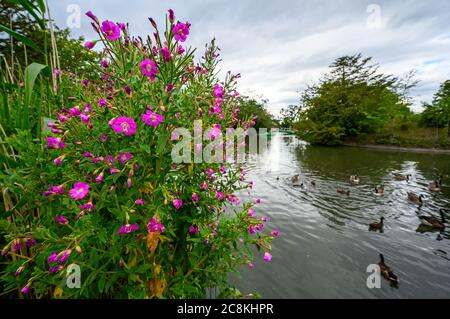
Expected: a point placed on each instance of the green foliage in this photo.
(250, 107)
(438, 113)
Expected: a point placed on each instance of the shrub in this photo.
(137, 225)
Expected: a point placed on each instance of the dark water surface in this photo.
(325, 246)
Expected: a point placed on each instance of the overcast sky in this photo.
(280, 46)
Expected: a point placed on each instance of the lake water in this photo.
(325, 247)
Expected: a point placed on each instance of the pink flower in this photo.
(171, 16)
(220, 195)
(215, 132)
(258, 201)
(55, 143)
(154, 226)
(113, 171)
(99, 178)
(124, 157)
(194, 230)
(180, 49)
(169, 88)
(139, 202)
(251, 229)
(209, 171)
(125, 230)
(25, 290)
(62, 220)
(102, 103)
(181, 31)
(111, 30)
(195, 197)
(177, 203)
(65, 255)
(267, 256)
(251, 265)
(79, 190)
(251, 212)
(275, 233)
(165, 53)
(54, 190)
(92, 16)
(152, 119)
(88, 206)
(90, 44)
(52, 258)
(259, 227)
(123, 125)
(55, 269)
(148, 68)
(58, 160)
(265, 219)
(218, 91)
(104, 137)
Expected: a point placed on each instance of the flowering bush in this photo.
(138, 225)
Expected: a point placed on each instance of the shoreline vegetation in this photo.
(387, 147)
(355, 103)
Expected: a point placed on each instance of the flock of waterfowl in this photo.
(430, 221)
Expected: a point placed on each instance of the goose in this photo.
(387, 273)
(415, 199)
(379, 190)
(433, 221)
(295, 179)
(313, 183)
(377, 226)
(401, 177)
(343, 191)
(435, 185)
(354, 179)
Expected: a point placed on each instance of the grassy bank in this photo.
(408, 135)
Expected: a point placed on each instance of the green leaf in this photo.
(31, 73)
(21, 38)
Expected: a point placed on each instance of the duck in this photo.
(354, 179)
(435, 185)
(377, 226)
(387, 273)
(298, 185)
(433, 221)
(415, 199)
(401, 177)
(343, 191)
(378, 190)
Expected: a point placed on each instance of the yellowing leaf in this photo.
(156, 287)
(58, 292)
(152, 242)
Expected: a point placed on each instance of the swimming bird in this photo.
(379, 190)
(377, 226)
(413, 198)
(435, 185)
(387, 273)
(354, 179)
(343, 191)
(401, 177)
(313, 183)
(295, 179)
(433, 221)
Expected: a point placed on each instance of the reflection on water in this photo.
(325, 246)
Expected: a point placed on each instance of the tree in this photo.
(289, 116)
(353, 98)
(73, 56)
(437, 114)
(251, 107)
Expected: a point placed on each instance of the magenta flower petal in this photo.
(152, 119)
(111, 30)
(177, 203)
(79, 190)
(149, 68)
(123, 125)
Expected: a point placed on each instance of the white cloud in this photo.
(279, 47)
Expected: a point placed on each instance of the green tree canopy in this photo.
(354, 97)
